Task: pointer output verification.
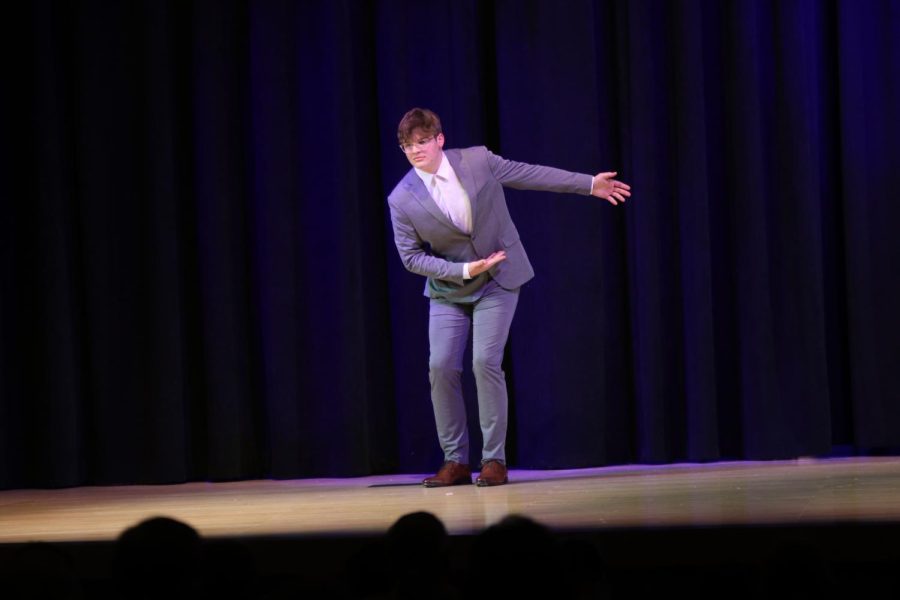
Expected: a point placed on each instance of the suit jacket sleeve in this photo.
(413, 254)
(524, 176)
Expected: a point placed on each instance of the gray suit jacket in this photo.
(431, 245)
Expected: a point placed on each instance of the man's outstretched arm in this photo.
(526, 176)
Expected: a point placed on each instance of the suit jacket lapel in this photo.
(464, 172)
(418, 191)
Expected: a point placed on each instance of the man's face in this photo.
(424, 151)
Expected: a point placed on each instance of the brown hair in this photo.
(418, 118)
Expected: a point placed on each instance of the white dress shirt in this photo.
(448, 193)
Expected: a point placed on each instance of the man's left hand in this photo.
(613, 190)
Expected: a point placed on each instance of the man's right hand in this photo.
(480, 266)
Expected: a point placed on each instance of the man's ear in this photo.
(440, 140)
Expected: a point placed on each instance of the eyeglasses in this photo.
(420, 145)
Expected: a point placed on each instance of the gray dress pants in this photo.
(449, 323)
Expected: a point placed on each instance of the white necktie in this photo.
(452, 200)
(442, 202)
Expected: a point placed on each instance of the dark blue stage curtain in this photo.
(199, 279)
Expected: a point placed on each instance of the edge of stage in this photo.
(675, 517)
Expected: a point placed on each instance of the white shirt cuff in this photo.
(466, 271)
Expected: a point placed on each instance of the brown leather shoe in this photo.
(450, 473)
(493, 472)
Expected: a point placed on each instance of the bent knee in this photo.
(487, 364)
(441, 367)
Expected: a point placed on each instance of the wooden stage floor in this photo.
(796, 492)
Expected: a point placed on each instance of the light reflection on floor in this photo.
(796, 491)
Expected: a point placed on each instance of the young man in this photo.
(452, 225)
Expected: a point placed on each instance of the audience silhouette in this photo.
(514, 558)
(158, 558)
